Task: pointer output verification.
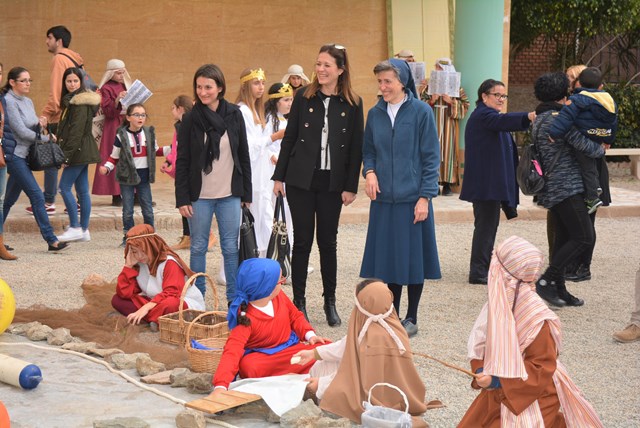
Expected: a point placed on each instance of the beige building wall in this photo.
(163, 42)
(422, 26)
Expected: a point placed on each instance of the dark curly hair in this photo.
(551, 87)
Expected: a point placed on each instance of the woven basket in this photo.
(173, 326)
(204, 361)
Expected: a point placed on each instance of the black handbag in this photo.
(248, 242)
(279, 248)
(43, 155)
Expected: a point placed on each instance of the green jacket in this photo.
(126, 169)
(74, 130)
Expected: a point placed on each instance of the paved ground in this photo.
(76, 392)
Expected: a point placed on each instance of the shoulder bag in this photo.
(43, 155)
(248, 243)
(529, 173)
(279, 248)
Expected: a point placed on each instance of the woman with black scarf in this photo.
(213, 172)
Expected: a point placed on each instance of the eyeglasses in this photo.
(501, 97)
(25, 81)
(139, 115)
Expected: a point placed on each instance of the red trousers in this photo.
(126, 307)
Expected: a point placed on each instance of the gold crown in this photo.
(285, 91)
(255, 74)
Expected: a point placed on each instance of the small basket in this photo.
(204, 361)
(173, 326)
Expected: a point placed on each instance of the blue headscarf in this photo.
(406, 78)
(256, 279)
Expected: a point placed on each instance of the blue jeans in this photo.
(77, 175)
(3, 187)
(21, 178)
(50, 184)
(227, 212)
(144, 196)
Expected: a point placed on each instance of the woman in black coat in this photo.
(213, 172)
(319, 161)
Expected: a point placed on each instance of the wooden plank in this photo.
(227, 400)
(623, 152)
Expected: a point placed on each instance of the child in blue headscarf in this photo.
(266, 328)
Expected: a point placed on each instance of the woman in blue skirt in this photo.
(401, 156)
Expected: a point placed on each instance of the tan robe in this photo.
(516, 394)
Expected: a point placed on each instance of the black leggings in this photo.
(319, 210)
(574, 233)
(414, 293)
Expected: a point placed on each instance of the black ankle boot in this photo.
(548, 290)
(569, 298)
(333, 319)
(301, 304)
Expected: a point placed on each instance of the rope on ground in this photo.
(444, 363)
(119, 373)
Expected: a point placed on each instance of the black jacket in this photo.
(190, 153)
(301, 143)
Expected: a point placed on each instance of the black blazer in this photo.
(301, 143)
(190, 153)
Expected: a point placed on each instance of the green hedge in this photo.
(628, 99)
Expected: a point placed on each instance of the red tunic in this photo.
(106, 184)
(517, 394)
(264, 332)
(167, 301)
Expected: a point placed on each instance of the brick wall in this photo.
(531, 62)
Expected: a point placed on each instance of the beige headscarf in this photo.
(503, 331)
(377, 350)
(144, 238)
(114, 65)
(296, 70)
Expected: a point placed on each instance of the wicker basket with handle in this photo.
(173, 326)
(204, 360)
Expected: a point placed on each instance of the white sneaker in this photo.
(310, 269)
(86, 236)
(71, 234)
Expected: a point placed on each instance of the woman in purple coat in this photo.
(113, 87)
(490, 158)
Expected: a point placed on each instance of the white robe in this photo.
(261, 171)
(325, 370)
(274, 150)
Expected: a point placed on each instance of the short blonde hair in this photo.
(573, 72)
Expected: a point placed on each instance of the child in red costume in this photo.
(266, 328)
(152, 279)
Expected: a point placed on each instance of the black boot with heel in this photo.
(333, 319)
(301, 304)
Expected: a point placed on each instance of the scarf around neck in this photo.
(210, 123)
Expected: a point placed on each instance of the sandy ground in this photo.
(607, 372)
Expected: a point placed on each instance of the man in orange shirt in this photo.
(58, 40)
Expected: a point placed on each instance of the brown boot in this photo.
(4, 253)
(212, 240)
(630, 334)
(183, 244)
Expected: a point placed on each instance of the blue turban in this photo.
(256, 279)
(406, 78)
